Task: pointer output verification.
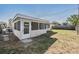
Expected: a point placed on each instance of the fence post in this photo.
(77, 29)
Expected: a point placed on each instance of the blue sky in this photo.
(51, 12)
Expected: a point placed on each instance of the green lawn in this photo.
(39, 45)
(62, 31)
(54, 41)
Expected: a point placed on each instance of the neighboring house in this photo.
(26, 27)
(3, 25)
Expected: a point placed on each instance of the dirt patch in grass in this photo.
(68, 42)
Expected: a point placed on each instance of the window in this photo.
(47, 26)
(34, 26)
(14, 25)
(17, 25)
(42, 26)
(26, 27)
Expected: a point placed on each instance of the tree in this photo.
(65, 23)
(73, 19)
(56, 23)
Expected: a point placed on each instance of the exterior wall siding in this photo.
(32, 33)
(16, 32)
(37, 32)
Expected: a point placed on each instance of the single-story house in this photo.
(26, 26)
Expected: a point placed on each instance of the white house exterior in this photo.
(26, 27)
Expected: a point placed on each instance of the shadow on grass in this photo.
(39, 45)
(1, 38)
(12, 37)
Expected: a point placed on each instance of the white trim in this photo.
(30, 18)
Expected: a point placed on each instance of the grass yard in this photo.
(68, 42)
(54, 41)
(39, 45)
